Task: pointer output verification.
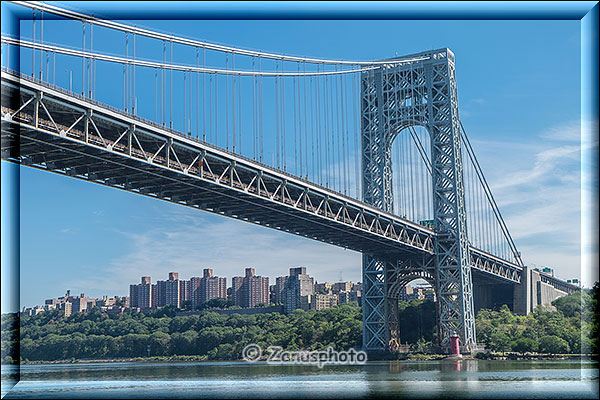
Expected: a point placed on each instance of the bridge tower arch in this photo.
(394, 96)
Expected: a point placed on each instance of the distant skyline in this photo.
(165, 277)
(519, 99)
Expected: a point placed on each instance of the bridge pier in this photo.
(395, 97)
(535, 290)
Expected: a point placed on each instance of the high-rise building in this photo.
(133, 295)
(212, 287)
(278, 289)
(185, 292)
(298, 290)
(155, 296)
(322, 301)
(250, 290)
(140, 295)
(195, 291)
(67, 307)
(325, 288)
(172, 291)
(342, 287)
(168, 292)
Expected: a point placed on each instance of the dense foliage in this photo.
(94, 335)
(417, 321)
(572, 328)
(49, 336)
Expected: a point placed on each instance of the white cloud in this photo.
(570, 132)
(186, 241)
(537, 185)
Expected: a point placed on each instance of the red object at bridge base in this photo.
(454, 348)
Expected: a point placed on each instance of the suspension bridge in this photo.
(365, 155)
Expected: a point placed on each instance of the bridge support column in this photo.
(375, 330)
(396, 96)
(522, 293)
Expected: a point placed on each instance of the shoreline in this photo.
(424, 357)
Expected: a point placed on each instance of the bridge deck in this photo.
(48, 128)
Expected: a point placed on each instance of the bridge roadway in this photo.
(49, 128)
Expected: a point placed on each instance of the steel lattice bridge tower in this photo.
(466, 253)
(395, 97)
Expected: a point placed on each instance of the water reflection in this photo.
(400, 379)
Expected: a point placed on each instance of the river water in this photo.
(397, 379)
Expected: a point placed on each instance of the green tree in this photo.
(499, 341)
(524, 345)
(553, 345)
(159, 343)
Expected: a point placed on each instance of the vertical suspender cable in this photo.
(342, 146)
(47, 66)
(260, 130)
(204, 95)
(299, 98)
(284, 149)
(184, 126)
(83, 59)
(333, 131)
(344, 133)
(190, 102)
(198, 95)
(227, 100)
(125, 83)
(335, 97)
(239, 114)
(134, 98)
(216, 109)
(42, 42)
(93, 74)
(412, 182)
(469, 209)
(277, 124)
(254, 116)
(396, 177)
(163, 85)
(319, 124)
(306, 129)
(294, 79)
(33, 50)
(313, 128)
(210, 111)
(356, 129)
(320, 128)
(422, 183)
(91, 63)
(233, 83)
(171, 91)
(327, 134)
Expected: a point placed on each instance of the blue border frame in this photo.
(585, 11)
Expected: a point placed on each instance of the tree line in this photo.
(50, 336)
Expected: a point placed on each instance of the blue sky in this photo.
(519, 100)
